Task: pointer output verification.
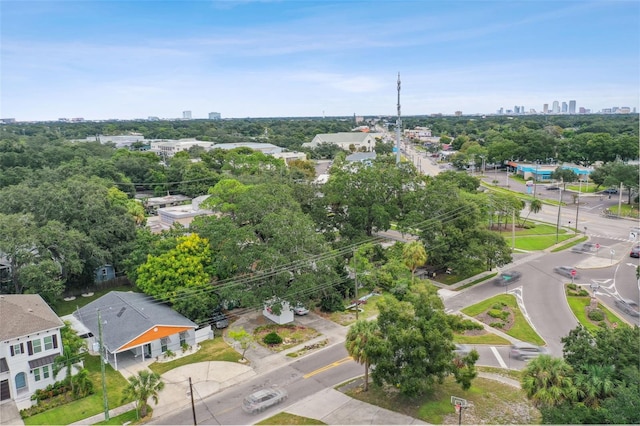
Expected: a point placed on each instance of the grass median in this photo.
(519, 328)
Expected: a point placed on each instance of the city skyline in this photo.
(129, 60)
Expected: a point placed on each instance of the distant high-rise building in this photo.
(582, 110)
(214, 116)
(556, 107)
(572, 107)
(186, 115)
(565, 108)
(545, 108)
(458, 113)
(501, 111)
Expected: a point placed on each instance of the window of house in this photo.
(45, 372)
(163, 344)
(36, 374)
(37, 346)
(183, 338)
(48, 342)
(17, 349)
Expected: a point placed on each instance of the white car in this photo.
(300, 310)
(263, 399)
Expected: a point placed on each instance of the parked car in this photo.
(219, 320)
(565, 271)
(525, 351)
(461, 350)
(300, 310)
(263, 399)
(584, 248)
(628, 306)
(553, 188)
(506, 278)
(635, 251)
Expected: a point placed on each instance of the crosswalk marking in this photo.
(498, 357)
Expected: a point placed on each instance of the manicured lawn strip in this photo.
(63, 308)
(505, 372)
(538, 229)
(539, 242)
(289, 419)
(483, 339)
(89, 406)
(448, 279)
(210, 350)
(520, 330)
(479, 280)
(129, 416)
(584, 188)
(571, 244)
(492, 402)
(578, 305)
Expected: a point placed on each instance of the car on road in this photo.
(584, 248)
(262, 399)
(525, 351)
(635, 251)
(553, 188)
(611, 191)
(628, 306)
(565, 271)
(300, 310)
(506, 278)
(461, 350)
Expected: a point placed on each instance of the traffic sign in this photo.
(597, 245)
(574, 272)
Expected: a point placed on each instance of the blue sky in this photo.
(126, 60)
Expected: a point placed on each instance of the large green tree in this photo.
(146, 384)
(548, 382)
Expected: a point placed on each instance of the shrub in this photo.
(596, 315)
(272, 339)
(460, 324)
(497, 306)
(498, 313)
(583, 292)
(497, 324)
(572, 286)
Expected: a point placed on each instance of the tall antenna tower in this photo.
(398, 125)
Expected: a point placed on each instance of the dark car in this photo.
(584, 248)
(506, 278)
(525, 351)
(565, 271)
(263, 399)
(635, 251)
(611, 191)
(219, 320)
(552, 188)
(628, 306)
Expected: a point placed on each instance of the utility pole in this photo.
(398, 125)
(620, 201)
(193, 407)
(559, 208)
(355, 275)
(104, 378)
(577, 211)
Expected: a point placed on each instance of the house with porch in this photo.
(30, 340)
(134, 327)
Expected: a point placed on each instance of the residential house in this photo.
(135, 327)
(30, 340)
(183, 214)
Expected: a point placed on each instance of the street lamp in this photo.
(535, 180)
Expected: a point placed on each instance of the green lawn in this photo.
(521, 328)
(479, 280)
(289, 419)
(584, 188)
(493, 403)
(62, 308)
(539, 242)
(483, 339)
(578, 305)
(129, 416)
(210, 350)
(89, 406)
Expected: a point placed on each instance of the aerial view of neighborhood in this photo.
(435, 257)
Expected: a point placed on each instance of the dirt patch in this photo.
(291, 334)
(505, 322)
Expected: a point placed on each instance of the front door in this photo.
(147, 350)
(5, 393)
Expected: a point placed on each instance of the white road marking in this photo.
(498, 357)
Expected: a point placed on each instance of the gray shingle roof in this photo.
(127, 315)
(25, 314)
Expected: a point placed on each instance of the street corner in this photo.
(445, 293)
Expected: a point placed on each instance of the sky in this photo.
(119, 59)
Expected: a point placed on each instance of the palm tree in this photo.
(547, 381)
(595, 383)
(83, 384)
(359, 342)
(142, 387)
(414, 256)
(534, 207)
(70, 356)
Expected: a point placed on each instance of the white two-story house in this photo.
(29, 342)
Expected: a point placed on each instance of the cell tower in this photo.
(398, 125)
